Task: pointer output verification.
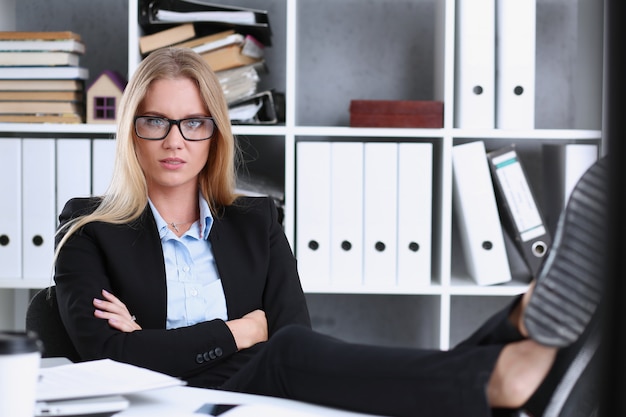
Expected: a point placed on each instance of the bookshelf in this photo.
(325, 53)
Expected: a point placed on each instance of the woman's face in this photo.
(173, 162)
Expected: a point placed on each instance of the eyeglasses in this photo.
(157, 128)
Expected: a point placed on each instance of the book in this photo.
(66, 45)
(227, 57)
(41, 95)
(41, 85)
(40, 73)
(38, 35)
(41, 118)
(38, 58)
(35, 107)
(167, 37)
(396, 113)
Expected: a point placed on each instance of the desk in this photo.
(183, 401)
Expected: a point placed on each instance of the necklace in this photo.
(175, 225)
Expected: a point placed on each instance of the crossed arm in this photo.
(247, 331)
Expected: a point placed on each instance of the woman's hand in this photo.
(249, 330)
(115, 312)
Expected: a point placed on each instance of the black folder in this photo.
(271, 108)
(149, 18)
(520, 214)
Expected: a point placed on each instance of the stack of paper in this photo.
(98, 378)
(232, 40)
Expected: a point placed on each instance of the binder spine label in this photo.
(518, 195)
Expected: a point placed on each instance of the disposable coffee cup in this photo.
(20, 357)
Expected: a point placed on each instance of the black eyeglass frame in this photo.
(177, 123)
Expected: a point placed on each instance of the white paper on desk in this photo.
(256, 410)
(98, 378)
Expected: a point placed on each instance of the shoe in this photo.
(570, 282)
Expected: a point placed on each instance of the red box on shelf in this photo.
(396, 113)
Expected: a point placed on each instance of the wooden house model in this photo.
(103, 97)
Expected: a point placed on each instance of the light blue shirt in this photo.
(194, 288)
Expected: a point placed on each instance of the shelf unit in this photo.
(327, 52)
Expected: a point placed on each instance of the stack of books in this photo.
(41, 79)
(230, 39)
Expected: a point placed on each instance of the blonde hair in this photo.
(127, 195)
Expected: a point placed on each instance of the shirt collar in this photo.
(205, 215)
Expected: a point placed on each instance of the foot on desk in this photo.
(570, 283)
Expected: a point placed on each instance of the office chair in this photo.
(43, 318)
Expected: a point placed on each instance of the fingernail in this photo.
(97, 301)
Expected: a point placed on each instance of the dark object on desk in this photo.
(42, 317)
(396, 113)
(215, 409)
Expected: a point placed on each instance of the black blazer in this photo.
(254, 260)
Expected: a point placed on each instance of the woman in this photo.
(170, 270)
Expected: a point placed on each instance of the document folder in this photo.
(415, 191)
(563, 165)
(477, 215)
(264, 108)
(518, 207)
(515, 64)
(313, 213)
(192, 11)
(73, 161)
(11, 209)
(380, 214)
(346, 214)
(38, 207)
(475, 64)
(102, 165)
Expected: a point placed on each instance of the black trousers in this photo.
(300, 364)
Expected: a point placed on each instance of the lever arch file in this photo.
(518, 207)
(11, 209)
(346, 214)
(475, 64)
(38, 207)
(477, 215)
(563, 165)
(415, 219)
(73, 161)
(515, 64)
(313, 212)
(380, 214)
